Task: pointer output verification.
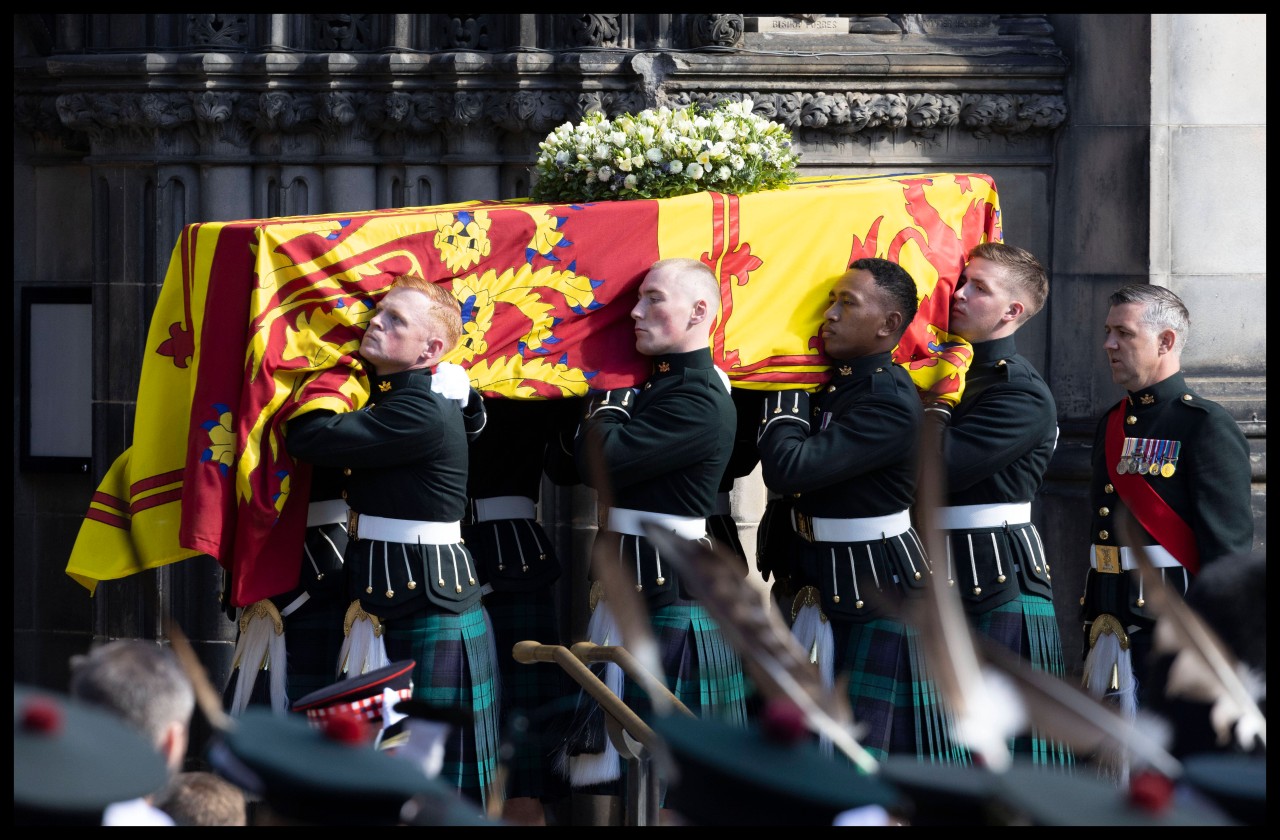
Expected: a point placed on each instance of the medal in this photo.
(1122, 466)
(1158, 458)
(1170, 466)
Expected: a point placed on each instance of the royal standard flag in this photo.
(259, 320)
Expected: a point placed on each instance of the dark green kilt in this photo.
(455, 669)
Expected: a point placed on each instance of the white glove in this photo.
(451, 382)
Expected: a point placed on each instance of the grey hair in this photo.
(1162, 310)
(139, 681)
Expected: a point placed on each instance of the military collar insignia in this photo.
(1148, 399)
(384, 386)
(664, 367)
(845, 370)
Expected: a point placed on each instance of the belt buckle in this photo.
(1107, 559)
(804, 525)
(353, 521)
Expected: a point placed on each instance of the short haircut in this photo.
(446, 312)
(139, 681)
(895, 283)
(1162, 310)
(198, 797)
(1029, 279)
(695, 276)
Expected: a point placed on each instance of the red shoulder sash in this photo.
(1151, 511)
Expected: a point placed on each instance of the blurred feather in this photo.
(1203, 669)
(628, 609)
(1066, 713)
(778, 665)
(988, 712)
(207, 697)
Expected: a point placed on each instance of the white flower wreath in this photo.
(664, 152)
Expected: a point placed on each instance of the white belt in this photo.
(962, 517)
(724, 507)
(503, 507)
(627, 521)
(329, 512)
(864, 529)
(365, 527)
(1157, 554)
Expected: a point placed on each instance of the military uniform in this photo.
(663, 450)
(519, 561)
(287, 646)
(1180, 464)
(996, 449)
(849, 466)
(404, 458)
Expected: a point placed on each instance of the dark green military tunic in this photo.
(1208, 487)
(996, 450)
(404, 456)
(856, 460)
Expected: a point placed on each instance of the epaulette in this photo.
(883, 381)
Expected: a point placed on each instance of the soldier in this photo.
(659, 452)
(849, 468)
(404, 457)
(1173, 460)
(995, 447)
(519, 560)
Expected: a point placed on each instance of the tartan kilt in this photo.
(536, 699)
(455, 668)
(699, 666)
(896, 706)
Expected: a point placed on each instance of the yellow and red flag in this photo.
(259, 320)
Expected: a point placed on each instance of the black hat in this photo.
(1056, 797)
(70, 760)
(1234, 781)
(730, 775)
(945, 794)
(360, 697)
(320, 775)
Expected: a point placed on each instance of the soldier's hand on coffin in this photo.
(784, 407)
(619, 399)
(452, 382)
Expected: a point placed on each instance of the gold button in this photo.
(1142, 602)
(830, 388)
(391, 593)
(977, 590)
(835, 599)
(1104, 511)
(1103, 534)
(457, 587)
(661, 581)
(413, 584)
(879, 370)
(858, 604)
(917, 575)
(1001, 579)
(1082, 600)
(1001, 363)
(368, 590)
(346, 470)
(1186, 397)
(1131, 419)
(795, 495)
(1109, 489)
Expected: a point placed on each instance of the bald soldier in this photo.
(659, 452)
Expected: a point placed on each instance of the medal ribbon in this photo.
(1151, 511)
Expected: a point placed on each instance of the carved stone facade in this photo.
(128, 127)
